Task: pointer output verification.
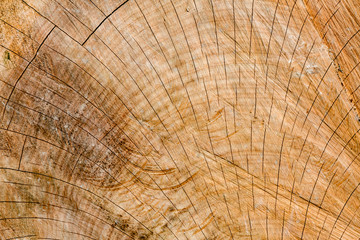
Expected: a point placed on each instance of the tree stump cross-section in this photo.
(179, 119)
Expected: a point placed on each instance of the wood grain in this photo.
(179, 119)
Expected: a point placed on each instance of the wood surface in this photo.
(179, 119)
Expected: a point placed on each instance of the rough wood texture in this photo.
(182, 119)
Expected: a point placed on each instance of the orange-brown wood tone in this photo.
(179, 119)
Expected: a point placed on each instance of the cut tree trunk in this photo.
(179, 119)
